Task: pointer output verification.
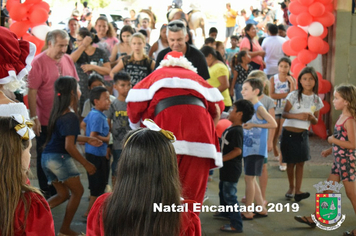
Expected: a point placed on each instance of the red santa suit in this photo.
(197, 144)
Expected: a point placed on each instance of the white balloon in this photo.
(316, 29)
(40, 31)
(305, 28)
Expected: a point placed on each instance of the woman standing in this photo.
(73, 30)
(88, 59)
(122, 48)
(106, 35)
(251, 45)
(161, 43)
(138, 64)
(219, 73)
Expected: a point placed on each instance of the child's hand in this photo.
(304, 116)
(90, 168)
(326, 152)
(311, 117)
(87, 67)
(248, 126)
(269, 146)
(331, 139)
(95, 142)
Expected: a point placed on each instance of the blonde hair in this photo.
(12, 186)
(258, 74)
(142, 37)
(348, 93)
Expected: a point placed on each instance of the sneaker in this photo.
(108, 189)
(282, 168)
(206, 197)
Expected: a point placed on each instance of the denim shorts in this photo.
(58, 166)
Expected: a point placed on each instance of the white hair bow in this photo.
(24, 128)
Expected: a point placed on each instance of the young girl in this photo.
(240, 69)
(161, 43)
(281, 84)
(219, 73)
(122, 48)
(138, 65)
(301, 109)
(147, 167)
(106, 34)
(57, 158)
(343, 146)
(145, 26)
(23, 209)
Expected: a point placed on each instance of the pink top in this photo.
(45, 71)
(245, 43)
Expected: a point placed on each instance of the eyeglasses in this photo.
(178, 24)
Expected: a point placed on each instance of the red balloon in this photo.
(326, 86)
(295, 31)
(306, 2)
(304, 19)
(325, 2)
(320, 129)
(18, 12)
(329, 7)
(297, 69)
(315, 44)
(298, 43)
(324, 34)
(325, 48)
(27, 2)
(43, 5)
(294, 62)
(316, 9)
(293, 19)
(327, 19)
(20, 28)
(11, 3)
(296, 8)
(325, 109)
(39, 43)
(38, 16)
(305, 56)
(287, 49)
(222, 125)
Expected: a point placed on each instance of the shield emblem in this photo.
(328, 207)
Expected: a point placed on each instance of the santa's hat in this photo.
(15, 59)
(177, 59)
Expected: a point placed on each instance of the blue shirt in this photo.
(255, 139)
(96, 121)
(66, 125)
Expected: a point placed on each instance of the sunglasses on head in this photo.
(178, 24)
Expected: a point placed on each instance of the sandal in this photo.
(350, 233)
(246, 218)
(259, 215)
(228, 228)
(304, 220)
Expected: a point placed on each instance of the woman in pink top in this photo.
(251, 45)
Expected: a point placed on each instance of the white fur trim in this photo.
(134, 126)
(140, 95)
(181, 62)
(202, 150)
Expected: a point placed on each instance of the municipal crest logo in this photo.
(328, 206)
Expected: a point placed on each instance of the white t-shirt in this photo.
(272, 45)
(307, 103)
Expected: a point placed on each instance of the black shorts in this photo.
(253, 165)
(99, 180)
(295, 146)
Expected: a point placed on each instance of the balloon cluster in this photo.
(310, 19)
(30, 14)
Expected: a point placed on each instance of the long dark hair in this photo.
(83, 32)
(207, 50)
(65, 94)
(287, 60)
(126, 28)
(147, 173)
(238, 58)
(247, 28)
(307, 70)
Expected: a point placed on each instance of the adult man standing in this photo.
(177, 39)
(272, 45)
(181, 101)
(47, 67)
(230, 17)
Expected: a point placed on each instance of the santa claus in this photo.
(181, 101)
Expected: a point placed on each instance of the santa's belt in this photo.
(177, 100)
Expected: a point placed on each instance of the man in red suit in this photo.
(181, 101)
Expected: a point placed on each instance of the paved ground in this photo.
(316, 170)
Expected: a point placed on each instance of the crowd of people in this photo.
(148, 115)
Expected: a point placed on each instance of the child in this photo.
(147, 174)
(232, 146)
(145, 27)
(117, 113)
(57, 157)
(343, 145)
(281, 84)
(240, 68)
(302, 108)
(255, 145)
(97, 126)
(147, 45)
(210, 42)
(230, 52)
(106, 34)
(213, 32)
(161, 43)
(137, 65)
(23, 209)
